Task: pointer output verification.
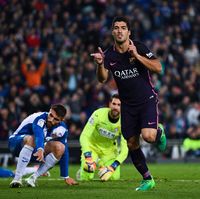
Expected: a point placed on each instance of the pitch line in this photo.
(159, 180)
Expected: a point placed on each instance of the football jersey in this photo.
(131, 76)
(35, 124)
(101, 135)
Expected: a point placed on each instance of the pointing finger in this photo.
(131, 42)
(100, 50)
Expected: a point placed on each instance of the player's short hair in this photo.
(60, 110)
(116, 95)
(121, 18)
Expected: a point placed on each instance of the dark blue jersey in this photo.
(131, 76)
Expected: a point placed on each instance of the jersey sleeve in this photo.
(123, 150)
(58, 134)
(87, 132)
(144, 51)
(37, 127)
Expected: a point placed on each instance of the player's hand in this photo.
(40, 155)
(105, 173)
(132, 49)
(70, 181)
(98, 57)
(90, 164)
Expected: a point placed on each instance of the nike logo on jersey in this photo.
(151, 97)
(112, 63)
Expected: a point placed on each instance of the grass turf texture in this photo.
(174, 181)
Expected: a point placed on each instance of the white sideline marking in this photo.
(160, 180)
(184, 180)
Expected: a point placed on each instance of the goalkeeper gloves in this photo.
(106, 172)
(89, 165)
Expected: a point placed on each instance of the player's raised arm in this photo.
(152, 64)
(102, 73)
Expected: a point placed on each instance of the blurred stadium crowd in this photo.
(45, 47)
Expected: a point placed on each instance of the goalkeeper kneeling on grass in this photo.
(102, 144)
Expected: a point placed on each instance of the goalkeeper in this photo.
(102, 144)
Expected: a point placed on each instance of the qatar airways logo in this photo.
(127, 74)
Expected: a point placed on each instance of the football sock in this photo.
(23, 160)
(158, 135)
(139, 161)
(50, 161)
(29, 170)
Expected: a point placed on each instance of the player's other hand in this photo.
(40, 155)
(106, 172)
(70, 181)
(90, 164)
(98, 57)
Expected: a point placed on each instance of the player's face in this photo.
(115, 107)
(53, 119)
(120, 32)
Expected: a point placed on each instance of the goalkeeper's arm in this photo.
(89, 164)
(106, 172)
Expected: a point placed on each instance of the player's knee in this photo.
(59, 148)
(133, 144)
(148, 137)
(29, 140)
(85, 176)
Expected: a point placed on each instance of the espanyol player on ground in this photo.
(42, 136)
(102, 144)
(130, 63)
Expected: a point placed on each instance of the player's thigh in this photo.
(130, 121)
(149, 114)
(54, 146)
(16, 144)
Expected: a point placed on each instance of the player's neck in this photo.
(123, 47)
(112, 118)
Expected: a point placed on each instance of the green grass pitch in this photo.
(174, 181)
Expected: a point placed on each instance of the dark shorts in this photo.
(135, 118)
(15, 144)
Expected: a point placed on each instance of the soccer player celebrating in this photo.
(130, 62)
(28, 141)
(102, 143)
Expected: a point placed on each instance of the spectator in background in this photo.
(33, 75)
(35, 28)
(4, 124)
(191, 144)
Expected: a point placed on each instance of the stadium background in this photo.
(65, 32)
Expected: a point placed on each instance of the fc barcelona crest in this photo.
(131, 60)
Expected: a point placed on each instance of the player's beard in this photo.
(49, 124)
(115, 114)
